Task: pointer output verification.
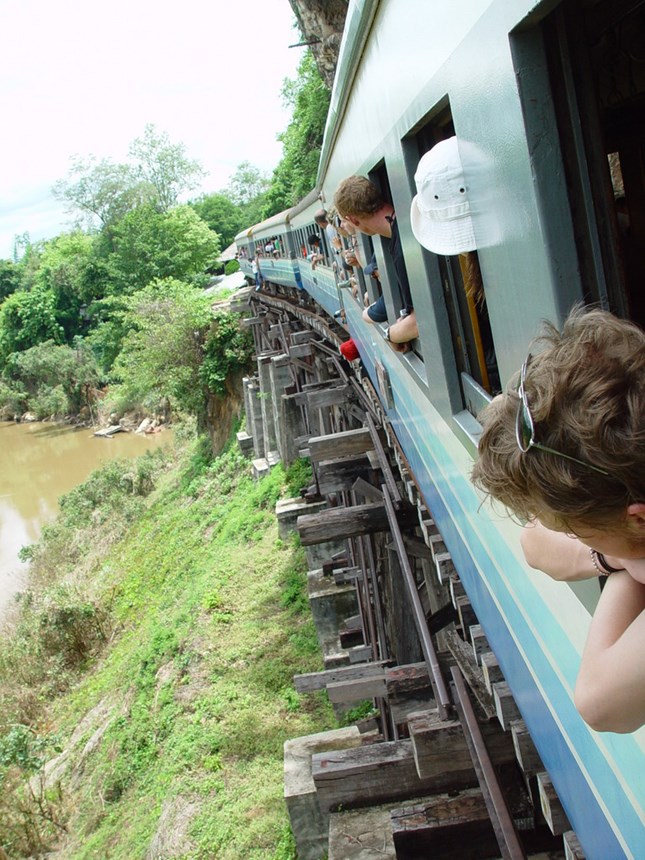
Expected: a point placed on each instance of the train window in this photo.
(462, 288)
(391, 272)
(595, 62)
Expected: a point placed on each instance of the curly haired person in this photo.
(564, 449)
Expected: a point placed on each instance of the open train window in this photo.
(395, 274)
(596, 61)
(462, 289)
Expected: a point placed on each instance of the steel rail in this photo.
(444, 703)
(500, 816)
(383, 461)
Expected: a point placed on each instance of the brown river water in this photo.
(38, 464)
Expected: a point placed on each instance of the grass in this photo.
(175, 718)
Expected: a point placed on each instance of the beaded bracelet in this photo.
(601, 565)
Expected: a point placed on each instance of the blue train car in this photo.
(545, 99)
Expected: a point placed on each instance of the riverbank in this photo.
(147, 688)
(39, 462)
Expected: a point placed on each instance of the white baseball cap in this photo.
(440, 212)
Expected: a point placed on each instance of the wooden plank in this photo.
(406, 679)
(417, 548)
(553, 810)
(440, 744)
(329, 397)
(310, 682)
(356, 690)
(347, 575)
(466, 613)
(301, 350)
(444, 827)
(491, 671)
(360, 653)
(376, 773)
(341, 473)
(572, 847)
(456, 589)
(351, 442)
(444, 566)
(505, 707)
(338, 523)
(527, 755)
(462, 654)
(366, 491)
(479, 641)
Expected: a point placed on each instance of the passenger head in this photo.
(313, 241)
(586, 397)
(321, 217)
(357, 197)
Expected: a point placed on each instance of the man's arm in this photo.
(404, 329)
(610, 690)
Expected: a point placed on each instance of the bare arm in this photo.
(560, 556)
(610, 690)
(404, 329)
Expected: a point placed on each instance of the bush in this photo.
(231, 267)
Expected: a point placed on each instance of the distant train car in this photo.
(546, 100)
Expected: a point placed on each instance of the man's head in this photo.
(321, 218)
(585, 395)
(313, 241)
(360, 203)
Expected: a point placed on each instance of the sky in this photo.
(79, 77)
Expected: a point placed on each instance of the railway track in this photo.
(444, 767)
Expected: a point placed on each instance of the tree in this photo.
(162, 353)
(52, 378)
(221, 214)
(150, 245)
(246, 184)
(296, 173)
(27, 319)
(69, 267)
(103, 190)
(164, 166)
(9, 278)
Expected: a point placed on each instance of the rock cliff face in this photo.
(322, 20)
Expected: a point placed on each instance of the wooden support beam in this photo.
(356, 690)
(439, 745)
(553, 810)
(572, 847)
(314, 681)
(491, 671)
(341, 473)
(351, 442)
(407, 679)
(301, 350)
(335, 396)
(527, 755)
(360, 654)
(347, 575)
(365, 490)
(505, 707)
(466, 614)
(479, 641)
(338, 523)
(444, 827)
(417, 548)
(462, 654)
(376, 773)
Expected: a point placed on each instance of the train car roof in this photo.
(270, 226)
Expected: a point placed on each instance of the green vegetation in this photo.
(151, 665)
(88, 291)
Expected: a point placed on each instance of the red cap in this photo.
(349, 350)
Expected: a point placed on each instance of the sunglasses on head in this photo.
(525, 428)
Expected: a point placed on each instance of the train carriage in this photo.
(546, 100)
